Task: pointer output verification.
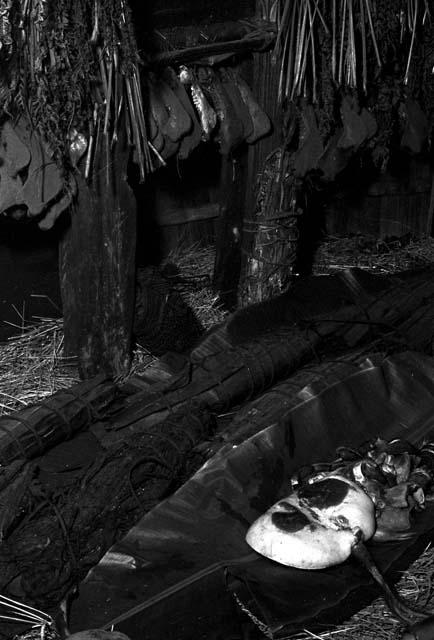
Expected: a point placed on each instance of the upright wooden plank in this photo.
(264, 81)
(229, 225)
(97, 268)
(429, 223)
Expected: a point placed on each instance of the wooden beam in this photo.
(184, 56)
(185, 215)
(166, 13)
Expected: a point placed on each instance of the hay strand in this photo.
(372, 254)
(32, 364)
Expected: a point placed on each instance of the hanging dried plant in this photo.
(73, 67)
(355, 51)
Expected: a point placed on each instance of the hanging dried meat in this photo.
(241, 110)
(229, 134)
(260, 120)
(416, 128)
(310, 146)
(370, 55)
(193, 137)
(205, 112)
(32, 183)
(173, 120)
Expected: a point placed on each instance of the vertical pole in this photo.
(97, 268)
(229, 226)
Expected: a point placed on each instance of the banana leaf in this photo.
(185, 570)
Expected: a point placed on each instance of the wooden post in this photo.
(429, 224)
(97, 268)
(229, 226)
(264, 84)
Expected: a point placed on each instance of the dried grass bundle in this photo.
(377, 256)
(195, 265)
(193, 261)
(206, 306)
(32, 365)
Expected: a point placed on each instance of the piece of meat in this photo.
(355, 131)
(369, 122)
(179, 122)
(169, 149)
(241, 109)
(260, 120)
(57, 208)
(193, 138)
(334, 159)
(207, 115)
(158, 114)
(230, 128)
(416, 129)
(14, 152)
(310, 148)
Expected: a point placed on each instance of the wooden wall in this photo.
(395, 204)
(30, 280)
(179, 205)
(161, 14)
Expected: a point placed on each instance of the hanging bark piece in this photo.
(15, 152)
(310, 146)
(355, 131)
(241, 110)
(192, 139)
(261, 123)
(416, 127)
(334, 159)
(230, 128)
(31, 180)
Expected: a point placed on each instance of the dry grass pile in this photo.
(375, 622)
(32, 365)
(195, 267)
(377, 256)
